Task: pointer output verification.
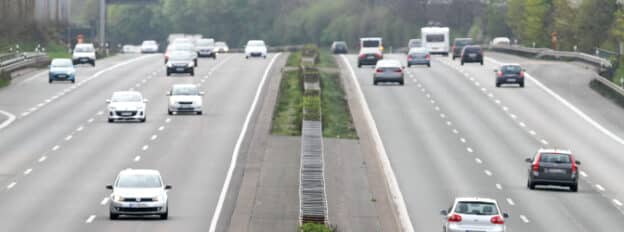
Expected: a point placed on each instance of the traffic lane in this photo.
(194, 152)
(95, 160)
(556, 125)
(426, 153)
(500, 142)
(27, 96)
(29, 138)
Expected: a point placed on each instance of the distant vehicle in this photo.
(126, 105)
(149, 46)
(84, 54)
(185, 40)
(510, 74)
(458, 46)
(255, 48)
(553, 167)
(474, 214)
(181, 62)
(388, 71)
(414, 43)
(221, 47)
(339, 47)
(501, 41)
(185, 98)
(435, 39)
(372, 42)
(130, 49)
(472, 54)
(186, 47)
(206, 48)
(62, 70)
(138, 192)
(369, 56)
(418, 56)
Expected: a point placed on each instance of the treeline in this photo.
(18, 23)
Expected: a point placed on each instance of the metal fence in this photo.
(547, 53)
(15, 61)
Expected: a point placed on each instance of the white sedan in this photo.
(126, 105)
(255, 48)
(185, 98)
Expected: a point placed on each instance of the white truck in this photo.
(436, 39)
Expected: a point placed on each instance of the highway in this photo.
(450, 133)
(59, 153)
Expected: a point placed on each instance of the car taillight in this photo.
(362, 56)
(379, 56)
(500, 74)
(574, 168)
(379, 70)
(398, 70)
(427, 57)
(521, 74)
(497, 220)
(409, 58)
(536, 163)
(455, 218)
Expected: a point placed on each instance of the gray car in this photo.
(138, 192)
(418, 56)
(388, 71)
(474, 214)
(553, 167)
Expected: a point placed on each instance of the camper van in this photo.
(436, 39)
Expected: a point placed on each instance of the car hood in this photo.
(138, 192)
(185, 98)
(126, 105)
(62, 70)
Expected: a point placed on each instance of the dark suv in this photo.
(339, 47)
(458, 45)
(510, 74)
(472, 54)
(553, 167)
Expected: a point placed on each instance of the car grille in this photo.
(144, 209)
(179, 65)
(126, 113)
(185, 103)
(143, 199)
(256, 54)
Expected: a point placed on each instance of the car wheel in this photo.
(574, 187)
(453, 57)
(143, 119)
(168, 73)
(200, 113)
(429, 65)
(246, 57)
(409, 65)
(195, 63)
(73, 81)
(110, 120)
(498, 85)
(522, 84)
(113, 216)
(165, 215)
(401, 83)
(192, 72)
(374, 82)
(481, 63)
(462, 63)
(359, 65)
(93, 63)
(49, 80)
(530, 185)
(170, 112)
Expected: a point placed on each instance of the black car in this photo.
(472, 54)
(458, 46)
(339, 47)
(510, 74)
(369, 56)
(553, 167)
(181, 62)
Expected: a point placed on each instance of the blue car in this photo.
(62, 70)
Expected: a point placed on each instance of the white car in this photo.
(126, 105)
(206, 48)
(474, 214)
(185, 98)
(149, 46)
(84, 54)
(138, 192)
(221, 47)
(255, 48)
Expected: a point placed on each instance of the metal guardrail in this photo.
(18, 61)
(312, 186)
(599, 62)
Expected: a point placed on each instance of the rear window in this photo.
(435, 38)
(511, 69)
(473, 49)
(370, 43)
(555, 158)
(463, 42)
(476, 208)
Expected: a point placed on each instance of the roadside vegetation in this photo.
(314, 227)
(288, 109)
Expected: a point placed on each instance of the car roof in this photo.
(555, 150)
(476, 199)
(130, 171)
(388, 63)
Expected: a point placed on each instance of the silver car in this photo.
(474, 214)
(185, 98)
(388, 71)
(138, 192)
(126, 105)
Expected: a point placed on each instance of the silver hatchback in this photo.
(388, 71)
(474, 214)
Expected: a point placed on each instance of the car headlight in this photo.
(111, 108)
(157, 198)
(169, 64)
(117, 198)
(190, 64)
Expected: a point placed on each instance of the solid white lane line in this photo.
(499, 187)
(618, 203)
(10, 118)
(43, 158)
(104, 201)
(137, 158)
(33, 109)
(90, 219)
(544, 142)
(28, 171)
(161, 128)
(479, 161)
(487, 172)
(145, 147)
(524, 219)
(69, 137)
(469, 149)
(154, 137)
(510, 201)
(25, 114)
(235, 152)
(600, 188)
(56, 148)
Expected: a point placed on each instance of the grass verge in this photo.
(313, 227)
(337, 121)
(288, 110)
(4, 81)
(327, 60)
(294, 59)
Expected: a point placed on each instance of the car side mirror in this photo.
(528, 160)
(495, 70)
(109, 187)
(505, 215)
(577, 162)
(443, 212)
(108, 101)
(167, 187)
(524, 70)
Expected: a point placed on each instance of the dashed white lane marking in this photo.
(48, 100)
(69, 137)
(584, 174)
(33, 109)
(144, 81)
(479, 161)
(448, 123)
(11, 185)
(137, 158)
(462, 140)
(90, 120)
(469, 149)
(513, 116)
(510, 201)
(487, 172)
(100, 112)
(442, 116)
(497, 102)
(499, 187)
(145, 147)
(90, 219)
(56, 148)
(524, 219)
(137, 85)
(161, 128)
(544, 142)
(80, 128)
(104, 201)
(532, 132)
(168, 120)
(43, 158)
(618, 203)
(455, 131)
(437, 108)
(154, 137)
(505, 108)
(599, 187)
(28, 171)
(522, 124)
(432, 101)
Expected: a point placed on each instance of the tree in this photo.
(593, 22)
(562, 22)
(534, 22)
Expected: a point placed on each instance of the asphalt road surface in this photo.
(450, 133)
(59, 153)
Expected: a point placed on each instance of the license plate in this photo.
(370, 57)
(511, 80)
(83, 59)
(472, 55)
(556, 171)
(185, 106)
(62, 76)
(179, 69)
(126, 114)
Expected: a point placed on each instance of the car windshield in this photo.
(126, 97)
(180, 56)
(435, 38)
(205, 43)
(255, 43)
(61, 63)
(139, 181)
(184, 90)
(370, 43)
(83, 49)
(476, 208)
(511, 69)
(555, 158)
(473, 49)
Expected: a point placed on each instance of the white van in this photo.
(436, 39)
(372, 42)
